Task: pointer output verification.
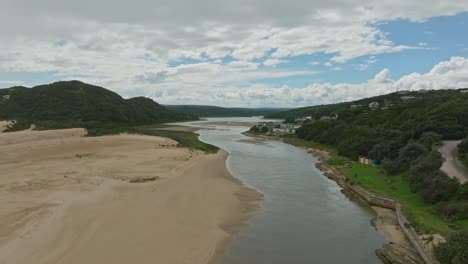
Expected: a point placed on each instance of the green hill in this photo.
(398, 119)
(73, 103)
(216, 111)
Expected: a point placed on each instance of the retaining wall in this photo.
(402, 221)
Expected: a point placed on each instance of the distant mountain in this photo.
(71, 103)
(216, 111)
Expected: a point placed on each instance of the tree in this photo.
(454, 251)
(430, 139)
(411, 152)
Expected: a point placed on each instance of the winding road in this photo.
(452, 166)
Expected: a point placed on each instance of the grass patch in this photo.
(185, 139)
(422, 215)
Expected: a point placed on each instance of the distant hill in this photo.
(354, 128)
(72, 103)
(216, 111)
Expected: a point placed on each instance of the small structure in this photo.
(407, 98)
(364, 160)
(354, 106)
(367, 161)
(303, 119)
(404, 92)
(374, 105)
(464, 91)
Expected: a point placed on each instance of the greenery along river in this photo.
(304, 217)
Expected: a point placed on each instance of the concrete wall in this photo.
(402, 221)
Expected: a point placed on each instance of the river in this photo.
(304, 217)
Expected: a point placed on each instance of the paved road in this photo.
(452, 166)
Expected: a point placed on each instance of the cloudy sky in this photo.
(237, 53)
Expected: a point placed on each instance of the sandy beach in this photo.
(69, 199)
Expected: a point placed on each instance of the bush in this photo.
(392, 167)
(410, 153)
(430, 139)
(441, 188)
(423, 171)
(455, 250)
(453, 211)
(462, 193)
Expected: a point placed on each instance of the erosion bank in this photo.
(66, 198)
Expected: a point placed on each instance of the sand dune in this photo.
(65, 198)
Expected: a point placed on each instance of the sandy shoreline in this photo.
(68, 199)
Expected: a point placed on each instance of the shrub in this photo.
(454, 251)
(392, 167)
(423, 170)
(453, 211)
(441, 188)
(410, 153)
(430, 139)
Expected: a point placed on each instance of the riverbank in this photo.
(66, 198)
(398, 249)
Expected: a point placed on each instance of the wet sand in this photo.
(65, 198)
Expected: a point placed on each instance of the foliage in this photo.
(454, 251)
(430, 117)
(455, 210)
(216, 111)
(424, 170)
(422, 215)
(73, 103)
(463, 152)
(185, 139)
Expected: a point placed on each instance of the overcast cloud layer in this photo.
(216, 52)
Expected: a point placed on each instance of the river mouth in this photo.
(304, 217)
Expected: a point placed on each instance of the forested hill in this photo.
(355, 128)
(72, 103)
(216, 111)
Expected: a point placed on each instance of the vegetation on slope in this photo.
(77, 104)
(403, 132)
(216, 111)
(184, 138)
(463, 152)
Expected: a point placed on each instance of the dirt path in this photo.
(452, 166)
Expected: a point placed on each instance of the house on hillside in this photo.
(354, 106)
(407, 98)
(374, 105)
(464, 91)
(404, 92)
(302, 119)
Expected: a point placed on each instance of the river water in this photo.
(304, 217)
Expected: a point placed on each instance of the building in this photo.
(407, 98)
(354, 106)
(303, 119)
(464, 91)
(374, 105)
(404, 92)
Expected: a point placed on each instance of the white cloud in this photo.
(134, 47)
(315, 63)
(450, 74)
(273, 62)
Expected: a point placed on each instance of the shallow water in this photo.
(304, 217)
